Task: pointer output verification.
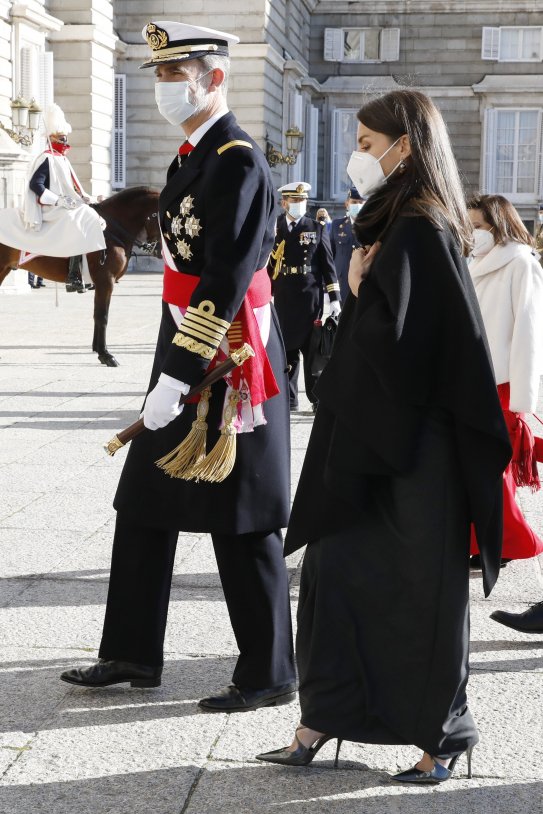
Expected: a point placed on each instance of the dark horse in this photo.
(132, 220)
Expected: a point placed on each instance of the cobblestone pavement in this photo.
(120, 751)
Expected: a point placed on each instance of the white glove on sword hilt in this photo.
(162, 403)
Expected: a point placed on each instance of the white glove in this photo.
(67, 202)
(162, 403)
(335, 309)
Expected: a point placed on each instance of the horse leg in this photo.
(9, 260)
(103, 278)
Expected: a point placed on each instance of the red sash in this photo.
(257, 371)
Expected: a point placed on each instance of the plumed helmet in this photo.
(55, 121)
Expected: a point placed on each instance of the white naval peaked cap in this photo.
(295, 189)
(171, 42)
(55, 121)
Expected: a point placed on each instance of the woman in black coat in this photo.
(407, 451)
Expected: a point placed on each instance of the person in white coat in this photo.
(508, 281)
(55, 219)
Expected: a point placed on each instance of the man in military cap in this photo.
(343, 239)
(217, 220)
(302, 268)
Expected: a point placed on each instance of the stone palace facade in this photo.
(307, 63)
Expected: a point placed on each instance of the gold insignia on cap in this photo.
(156, 37)
(300, 189)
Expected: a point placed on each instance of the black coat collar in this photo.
(220, 132)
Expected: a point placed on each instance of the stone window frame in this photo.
(490, 158)
(491, 43)
(339, 180)
(388, 45)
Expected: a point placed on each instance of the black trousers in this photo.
(255, 583)
(293, 362)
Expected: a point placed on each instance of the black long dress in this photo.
(407, 450)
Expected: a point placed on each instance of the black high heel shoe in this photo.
(302, 755)
(439, 773)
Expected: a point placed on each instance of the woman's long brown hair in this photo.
(503, 217)
(430, 181)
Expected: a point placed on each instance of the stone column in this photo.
(84, 52)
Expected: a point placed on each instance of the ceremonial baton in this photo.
(236, 358)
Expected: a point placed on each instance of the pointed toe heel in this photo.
(439, 773)
(302, 755)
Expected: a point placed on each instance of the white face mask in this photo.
(173, 101)
(297, 210)
(366, 172)
(483, 242)
(354, 209)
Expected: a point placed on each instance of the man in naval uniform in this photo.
(302, 268)
(55, 219)
(217, 220)
(343, 240)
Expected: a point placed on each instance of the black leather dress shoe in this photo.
(531, 621)
(105, 673)
(242, 699)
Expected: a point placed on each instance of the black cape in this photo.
(413, 340)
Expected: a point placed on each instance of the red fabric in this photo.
(523, 463)
(519, 540)
(186, 148)
(59, 148)
(257, 371)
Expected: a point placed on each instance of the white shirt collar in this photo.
(200, 132)
(293, 222)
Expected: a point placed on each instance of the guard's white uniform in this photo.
(53, 230)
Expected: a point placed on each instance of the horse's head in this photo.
(153, 243)
(135, 211)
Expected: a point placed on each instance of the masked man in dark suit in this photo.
(302, 268)
(217, 220)
(343, 240)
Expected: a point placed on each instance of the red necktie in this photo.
(186, 148)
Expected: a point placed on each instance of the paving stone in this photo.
(121, 750)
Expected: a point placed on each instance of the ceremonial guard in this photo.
(56, 220)
(301, 267)
(224, 463)
(343, 239)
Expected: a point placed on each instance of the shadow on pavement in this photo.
(262, 790)
(31, 689)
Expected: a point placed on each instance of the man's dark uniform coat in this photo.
(217, 217)
(343, 242)
(299, 297)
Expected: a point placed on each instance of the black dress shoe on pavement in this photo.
(531, 621)
(105, 673)
(240, 699)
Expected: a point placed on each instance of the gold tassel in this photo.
(217, 465)
(192, 449)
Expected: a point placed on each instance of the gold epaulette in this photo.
(235, 143)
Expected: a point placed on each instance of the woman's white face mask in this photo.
(173, 100)
(483, 242)
(366, 172)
